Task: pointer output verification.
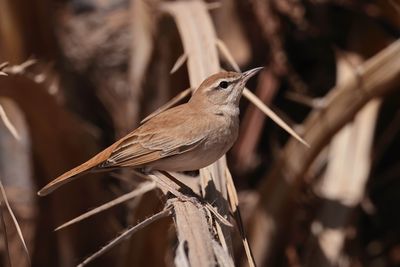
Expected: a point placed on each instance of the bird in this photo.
(186, 137)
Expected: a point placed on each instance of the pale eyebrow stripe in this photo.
(228, 80)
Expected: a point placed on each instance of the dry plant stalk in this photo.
(199, 39)
(142, 29)
(16, 184)
(2, 66)
(374, 78)
(343, 184)
(127, 233)
(140, 190)
(8, 124)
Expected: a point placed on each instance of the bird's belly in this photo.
(180, 163)
(189, 161)
(198, 158)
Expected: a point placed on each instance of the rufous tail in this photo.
(70, 175)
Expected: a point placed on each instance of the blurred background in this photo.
(83, 73)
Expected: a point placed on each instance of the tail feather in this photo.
(88, 166)
(63, 179)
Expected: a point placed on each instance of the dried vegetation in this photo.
(332, 72)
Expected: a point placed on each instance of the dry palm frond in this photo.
(256, 101)
(222, 258)
(8, 124)
(4, 228)
(202, 61)
(213, 5)
(234, 205)
(2, 66)
(14, 219)
(179, 63)
(348, 156)
(199, 42)
(376, 77)
(344, 161)
(16, 185)
(169, 182)
(140, 190)
(127, 233)
(19, 69)
(143, 27)
(316, 103)
(228, 56)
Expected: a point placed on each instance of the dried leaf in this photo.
(167, 182)
(179, 63)
(234, 205)
(213, 5)
(222, 256)
(6, 245)
(140, 190)
(127, 233)
(3, 65)
(181, 259)
(14, 219)
(267, 111)
(228, 56)
(8, 123)
(21, 68)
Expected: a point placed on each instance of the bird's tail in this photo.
(90, 165)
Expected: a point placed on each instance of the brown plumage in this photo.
(187, 137)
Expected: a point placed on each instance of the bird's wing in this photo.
(156, 140)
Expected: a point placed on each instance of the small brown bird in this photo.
(184, 138)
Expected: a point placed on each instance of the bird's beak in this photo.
(250, 73)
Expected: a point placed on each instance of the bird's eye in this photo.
(223, 84)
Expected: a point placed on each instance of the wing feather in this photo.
(159, 138)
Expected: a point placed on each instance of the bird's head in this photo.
(223, 88)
